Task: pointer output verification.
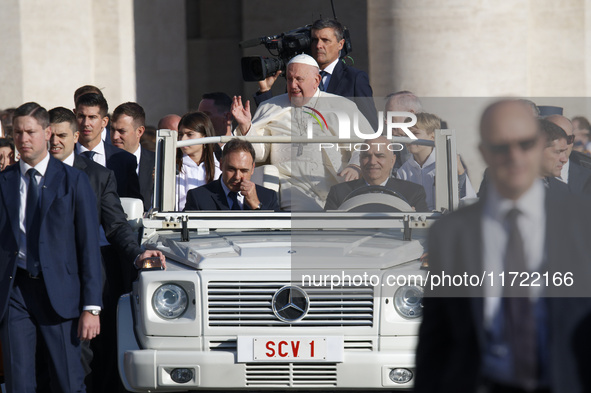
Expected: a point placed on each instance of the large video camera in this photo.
(283, 47)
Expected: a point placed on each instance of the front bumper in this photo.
(148, 370)
(144, 370)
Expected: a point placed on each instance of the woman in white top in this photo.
(196, 165)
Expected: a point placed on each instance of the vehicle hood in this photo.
(306, 249)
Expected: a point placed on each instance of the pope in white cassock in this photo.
(306, 171)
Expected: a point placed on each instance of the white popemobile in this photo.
(256, 300)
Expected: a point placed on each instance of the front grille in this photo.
(291, 375)
(358, 345)
(248, 303)
(222, 345)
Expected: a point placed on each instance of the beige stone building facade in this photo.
(165, 53)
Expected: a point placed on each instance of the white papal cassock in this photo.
(306, 172)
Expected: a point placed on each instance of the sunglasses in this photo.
(504, 149)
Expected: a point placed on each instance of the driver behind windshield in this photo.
(376, 166)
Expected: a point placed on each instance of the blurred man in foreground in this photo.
(509, 336)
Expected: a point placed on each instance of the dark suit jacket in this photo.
(68, 240)
(110, 213)
(452, 333)
(146, 177)
(579, 179)
(346, 81)
(211, 196)
(580, 158)
(123, 164)
(414, 193)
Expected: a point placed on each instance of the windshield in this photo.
(314, 158)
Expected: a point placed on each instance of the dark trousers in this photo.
(31, 318)
(102, 354)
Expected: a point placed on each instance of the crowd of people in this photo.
(63, 172)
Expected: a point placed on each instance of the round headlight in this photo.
(408, 301)
(170, 301)
(400, 375)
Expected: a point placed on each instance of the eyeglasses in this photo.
(504, 149)
(570, 139)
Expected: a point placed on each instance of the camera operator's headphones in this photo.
(347, 48)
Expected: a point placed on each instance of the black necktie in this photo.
(321, 86)
(89, 154)
(32, 217)
(520, 324)
(234, 198)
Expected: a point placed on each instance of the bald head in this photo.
(567, 126)
(169, 122)
(511, 146)
(403, 101)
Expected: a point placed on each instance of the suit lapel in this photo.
(577, 178)
(142, 164)
(79, 163)
(10, 186)
(219, 196)
(146, 167)
(109, 151)
(336, 77)
(472, 255)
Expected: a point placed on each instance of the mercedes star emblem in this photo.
(290, 304)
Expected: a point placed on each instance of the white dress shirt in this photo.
(564, 172)
(191, 176)
(100, 157)
(329, 69)
(41, 167)
(532, 226)
(138, 154)
(69, 160)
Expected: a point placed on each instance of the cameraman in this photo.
(337, 77)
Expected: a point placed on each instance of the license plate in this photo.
(290, 349)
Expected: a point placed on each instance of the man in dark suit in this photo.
(376, 166)
(506, 337)
(337, 77)
(128, 124)
(118, 233)
(233, 190)
(105, 133)
(91, 116)
(554, 155)
(50, 278)
(110, 212)
(574, 173)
